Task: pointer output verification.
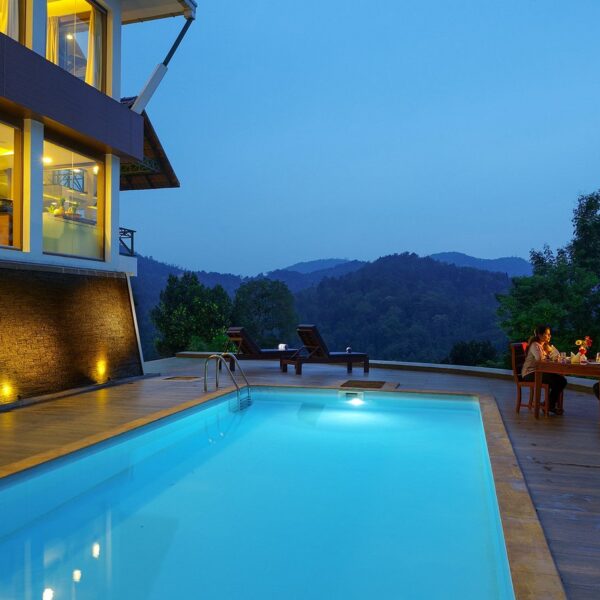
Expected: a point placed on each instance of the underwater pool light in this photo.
(356, 401)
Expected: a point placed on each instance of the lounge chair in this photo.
(247, 349)
(314, 350)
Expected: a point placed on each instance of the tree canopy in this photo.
(563, 290)
(266, 309)
(189, 312)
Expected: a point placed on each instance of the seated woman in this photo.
(540, 348)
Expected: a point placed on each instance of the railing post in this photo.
(127, 234)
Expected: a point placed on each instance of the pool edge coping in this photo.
(533, 571)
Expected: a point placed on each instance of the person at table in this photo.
(540, 348)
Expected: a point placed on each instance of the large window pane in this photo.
(10, 196)
(9, 18)
(73, 203)
(74, 39)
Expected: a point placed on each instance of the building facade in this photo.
(68, 145)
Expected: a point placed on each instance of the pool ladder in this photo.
(221, 359)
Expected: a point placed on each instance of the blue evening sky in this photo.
(355, 129)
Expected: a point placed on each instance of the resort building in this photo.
(68, 145)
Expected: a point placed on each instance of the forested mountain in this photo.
(513, 266)
(403, 307)
(400, 307)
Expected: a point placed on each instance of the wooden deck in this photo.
(559, 456)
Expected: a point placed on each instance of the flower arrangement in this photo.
(584, 344)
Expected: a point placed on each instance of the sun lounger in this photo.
(314, 350)
(247, 349)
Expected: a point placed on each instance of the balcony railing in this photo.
(126, 239)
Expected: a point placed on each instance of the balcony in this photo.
(126, 241)
(33, 87)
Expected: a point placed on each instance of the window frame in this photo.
(101, 191)
(17, 126)
(104, 12)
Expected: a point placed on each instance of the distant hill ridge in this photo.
(513, 266)
(315, 265)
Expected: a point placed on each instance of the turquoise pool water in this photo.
(302, 495)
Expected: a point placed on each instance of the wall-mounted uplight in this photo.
(48, 594)
(96, 169)
(96, 550)
(69, 36)
(77, 575)
(46, 160)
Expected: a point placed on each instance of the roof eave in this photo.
(188, 10)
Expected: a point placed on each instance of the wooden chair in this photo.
(314, 350)
(247, 349)
(518, 352)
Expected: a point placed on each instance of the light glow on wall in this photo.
(101, 370)
(96, 550)
(6, 392)
(77, 575)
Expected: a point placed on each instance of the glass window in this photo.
(73, 203)
(9, 18)
(74, 39)
(10, 193)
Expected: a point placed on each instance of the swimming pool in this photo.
(308, 493)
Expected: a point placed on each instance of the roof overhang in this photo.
(133, 11)
(154, 171)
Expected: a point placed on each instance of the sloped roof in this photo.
(154, 171)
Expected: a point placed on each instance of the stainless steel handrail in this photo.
(233, 357)
(222, 359)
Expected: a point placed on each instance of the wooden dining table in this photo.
(590, 369)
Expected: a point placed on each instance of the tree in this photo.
(563, 290)
(266, 309)
(584, 249)
(189, 310)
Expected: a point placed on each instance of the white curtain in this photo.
(52, 40)
(93, 70)
(9, 18)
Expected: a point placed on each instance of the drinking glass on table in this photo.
(563, 357)
(598, 357)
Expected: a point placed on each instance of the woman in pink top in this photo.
(540, 348)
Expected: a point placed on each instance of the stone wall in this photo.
(60, 330)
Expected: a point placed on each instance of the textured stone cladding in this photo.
(63, 330)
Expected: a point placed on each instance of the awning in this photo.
(146, 10)
(154, 171)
